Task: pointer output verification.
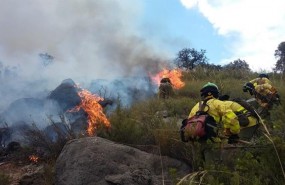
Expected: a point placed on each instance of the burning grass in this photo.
(37, 155)
(48, 145)
(95, 113)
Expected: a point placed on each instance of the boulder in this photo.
(94, 160)
(66, 95)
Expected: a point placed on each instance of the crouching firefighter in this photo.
(210, 119)
(264, 92)
(247, 116)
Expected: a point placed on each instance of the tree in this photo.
(189, 58)
(280, 56)
(46, 58)
(237, 65)
(211, 66)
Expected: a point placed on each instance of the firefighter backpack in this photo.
(199, 127)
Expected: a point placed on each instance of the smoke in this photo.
(87, 40)
(127, 90)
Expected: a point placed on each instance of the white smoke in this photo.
(88, 40)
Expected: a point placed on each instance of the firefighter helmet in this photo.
(210, 89)
(263, 75)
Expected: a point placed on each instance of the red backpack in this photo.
(198, 127)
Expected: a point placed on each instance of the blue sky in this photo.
(252, 29)
(227, 29)
(170, 20)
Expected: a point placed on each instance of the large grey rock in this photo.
(66, 95)
(97, 161)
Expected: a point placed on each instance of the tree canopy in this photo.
(46, 58)
(280, 55)
(189, 58)
(238, 65)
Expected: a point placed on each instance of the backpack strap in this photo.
(202, 106)
(248, 109)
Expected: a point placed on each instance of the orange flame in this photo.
(34, 158)
(174, 75)
(89, 103)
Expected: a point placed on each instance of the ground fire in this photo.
(33, 158)
(89, 103)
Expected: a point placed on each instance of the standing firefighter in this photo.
(211, 119)
(165, 88)
(264, 92)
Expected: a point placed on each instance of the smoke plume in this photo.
(43, 42)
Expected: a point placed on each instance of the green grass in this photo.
(143, 124)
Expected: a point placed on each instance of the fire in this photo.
(174, 75)
(89, 103)
(34, 158)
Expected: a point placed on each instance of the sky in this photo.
(250, 30)
(93, 39)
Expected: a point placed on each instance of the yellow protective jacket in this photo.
(222, 114)
(238, 108)
(263, 86)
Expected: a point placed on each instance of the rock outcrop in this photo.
(66, 95)
(98, 161)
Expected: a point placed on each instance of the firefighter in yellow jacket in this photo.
(227, 121)
(265, 93)
(247, 118)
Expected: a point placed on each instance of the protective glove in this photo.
(233, 139)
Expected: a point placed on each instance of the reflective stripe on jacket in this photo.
(238, 108)
(222, 114)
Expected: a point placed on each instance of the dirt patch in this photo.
(17, 172)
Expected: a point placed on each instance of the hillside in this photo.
(152, 126)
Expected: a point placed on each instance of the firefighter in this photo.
(247, 117)
(247, 114)
(165, 88)
(264, 92)
(227, 121)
